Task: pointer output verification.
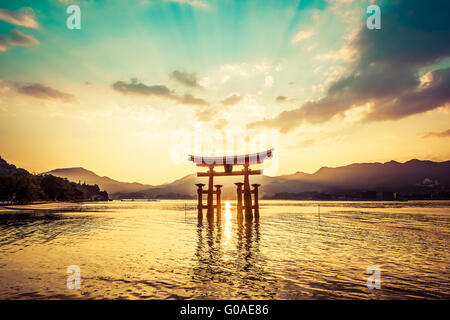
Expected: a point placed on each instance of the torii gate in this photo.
(227, 162)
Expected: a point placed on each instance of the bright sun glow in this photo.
(227, 230)
(227, 210)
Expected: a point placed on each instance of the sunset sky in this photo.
(110, 96)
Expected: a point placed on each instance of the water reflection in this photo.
(228, 254)
(19, 230)
(227, 225)
(150, 250)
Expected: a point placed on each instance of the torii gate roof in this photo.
(253, 158)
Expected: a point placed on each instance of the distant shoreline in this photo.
(37, 204)
(8, 203)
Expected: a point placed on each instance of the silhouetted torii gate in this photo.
(227, 162)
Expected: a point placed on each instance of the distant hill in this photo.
(19, 186)
(105, 183)
(389, 176)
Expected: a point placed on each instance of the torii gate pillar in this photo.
(247, 196)
(256, 201)
(200, 199)
(218, 201)
(239, 200)
(210, 212)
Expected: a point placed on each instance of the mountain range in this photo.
(112, 186)
(390, 176)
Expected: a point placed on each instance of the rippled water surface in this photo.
(158, 250)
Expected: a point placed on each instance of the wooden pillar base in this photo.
(247, 195)
(210, 204)
(256, 200)
(200, 200)
(239, 200)
(218, 193)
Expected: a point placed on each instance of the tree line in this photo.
(20, 186)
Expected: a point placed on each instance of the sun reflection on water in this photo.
(227, 226)
(228, 210)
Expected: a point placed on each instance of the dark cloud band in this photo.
(185, 78)
(386, 75)
(24, 17)
(16, 38)
(135, 87)
(442, 134)
(39, 91)
(232, 100)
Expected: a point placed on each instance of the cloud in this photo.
(193, 3)
(415, 100)
(280, 99)
(302, 35)
(4, 43)
(221, 124)
(23, 18)
(268, 81)
(205, 114)
(138, 88)
(39, 91)
(43, 92)
(346, 53)
(306, 143)
(16, 38)
(231, 100)
(386, 73)
(442, 134)
(185, 78)
(190, 99)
